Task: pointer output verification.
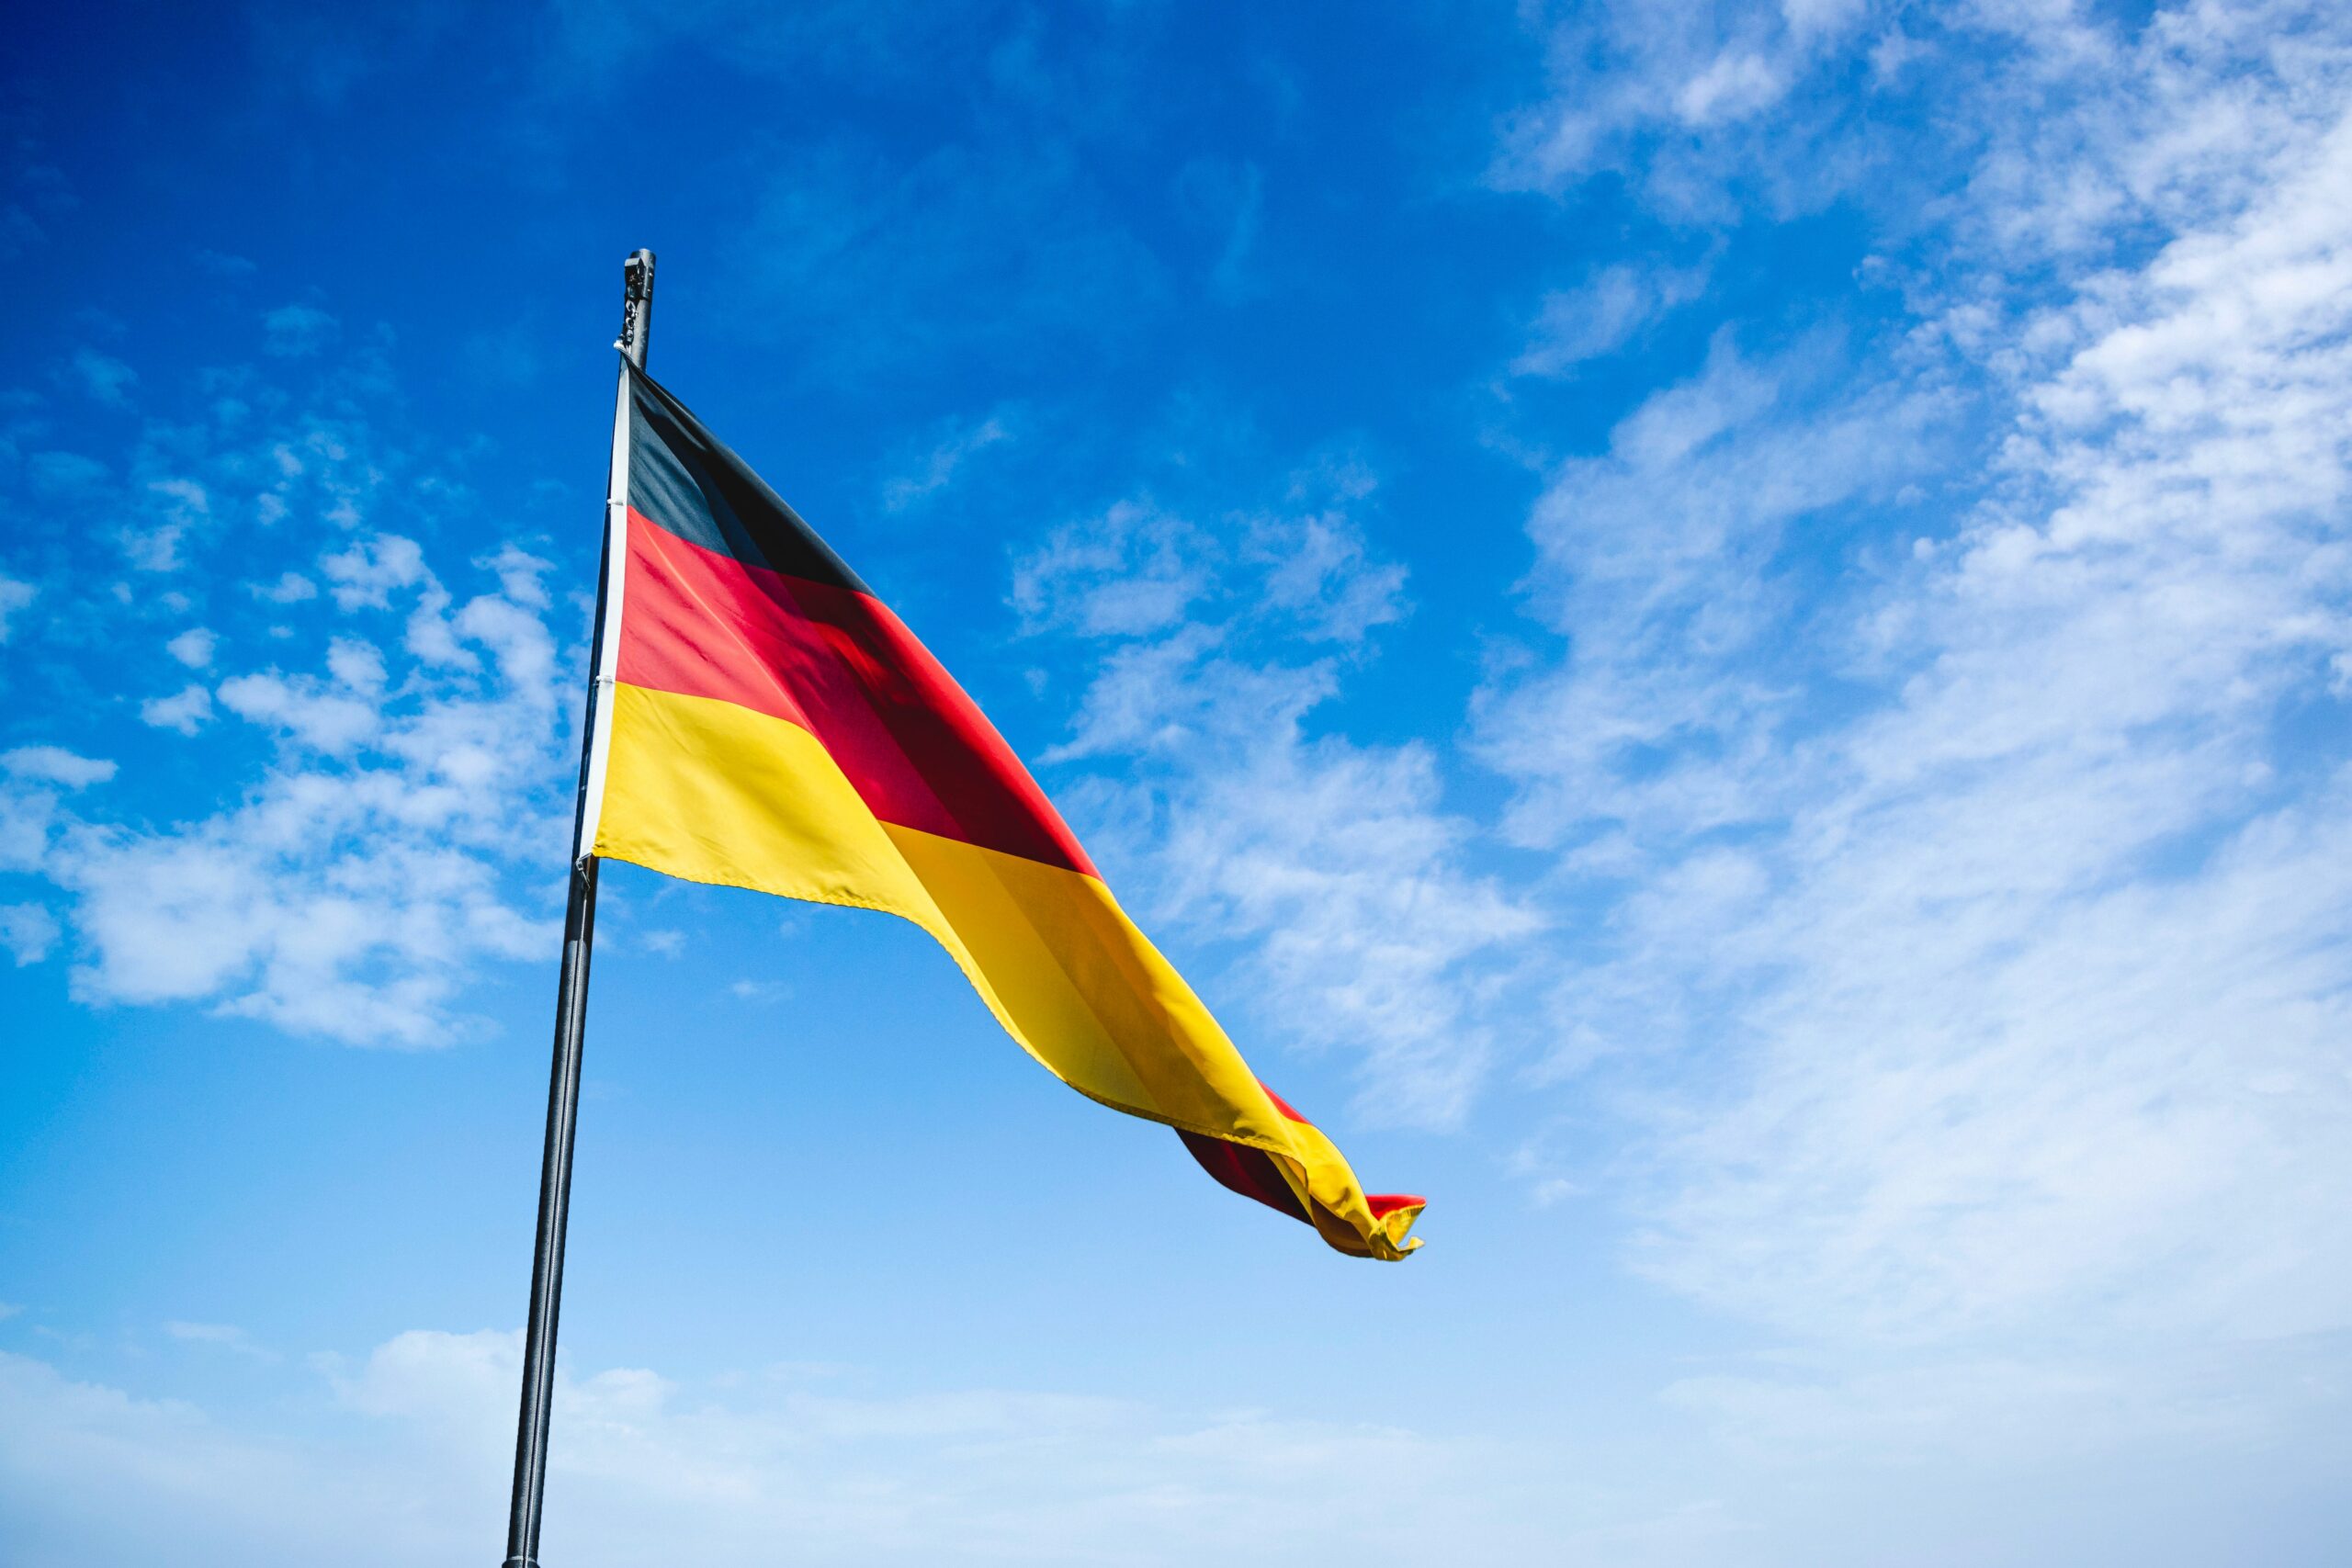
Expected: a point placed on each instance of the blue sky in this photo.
(1720, 634)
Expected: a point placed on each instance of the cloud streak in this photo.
(2002, 914)
(393, 837)
(422, 1427)
(1335, 863)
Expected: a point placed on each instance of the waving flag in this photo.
(767, 723)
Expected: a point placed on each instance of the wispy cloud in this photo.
(27, 932)
(384, 848)
(295, 331)
(187, 710)
(104, 378)
(1134, 569)
(1603, 314)
(347, 898)
(909, 246)
(1658, 558)
(1335, 861)
(937, 468)
(1228, 201)
(1717, 112)
(290, 588)
(220, 1335)
(194, 647)
(1676, 88)
(1989, 874)
(15, 597)
(644, 1464)
(56, 765)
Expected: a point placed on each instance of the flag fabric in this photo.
(766, 722)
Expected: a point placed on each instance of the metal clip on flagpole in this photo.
(572, 989)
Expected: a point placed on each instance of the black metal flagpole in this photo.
(571, 987)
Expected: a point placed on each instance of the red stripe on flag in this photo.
(1381, 1204)
(1283, 1105)
(842, 666)
(1243, 1170)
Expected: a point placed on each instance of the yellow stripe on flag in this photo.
(714, 792)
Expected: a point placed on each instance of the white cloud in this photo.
(1993, 888)
(349, 895)
(939, 467)
(179, 506)
(759, 990)
(1336, 861)
(14, 596)
(398, 836)
(1666, 85)
(296, 332)
(291, 588)
(359, 666)
(54, 765)
(367, 574)
(57, 1435)
(1228, 199)
(1135, 570)
(1710, 111)
(1339, 864)
(106, 379)
(220, 1335)
(1320, 574)
(312, 711)
(1658, 561)
(27, 815)
(193, 647)
(421, 1436)
(1604, 315)
(2034, 1414)
(187, 710)
(518, 574)
(27, 932)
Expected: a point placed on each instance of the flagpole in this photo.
(572, 986)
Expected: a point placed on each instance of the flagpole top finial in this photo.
(636, 305)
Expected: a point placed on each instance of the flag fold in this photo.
(768, 723)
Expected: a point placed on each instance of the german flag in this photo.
(766, 722)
